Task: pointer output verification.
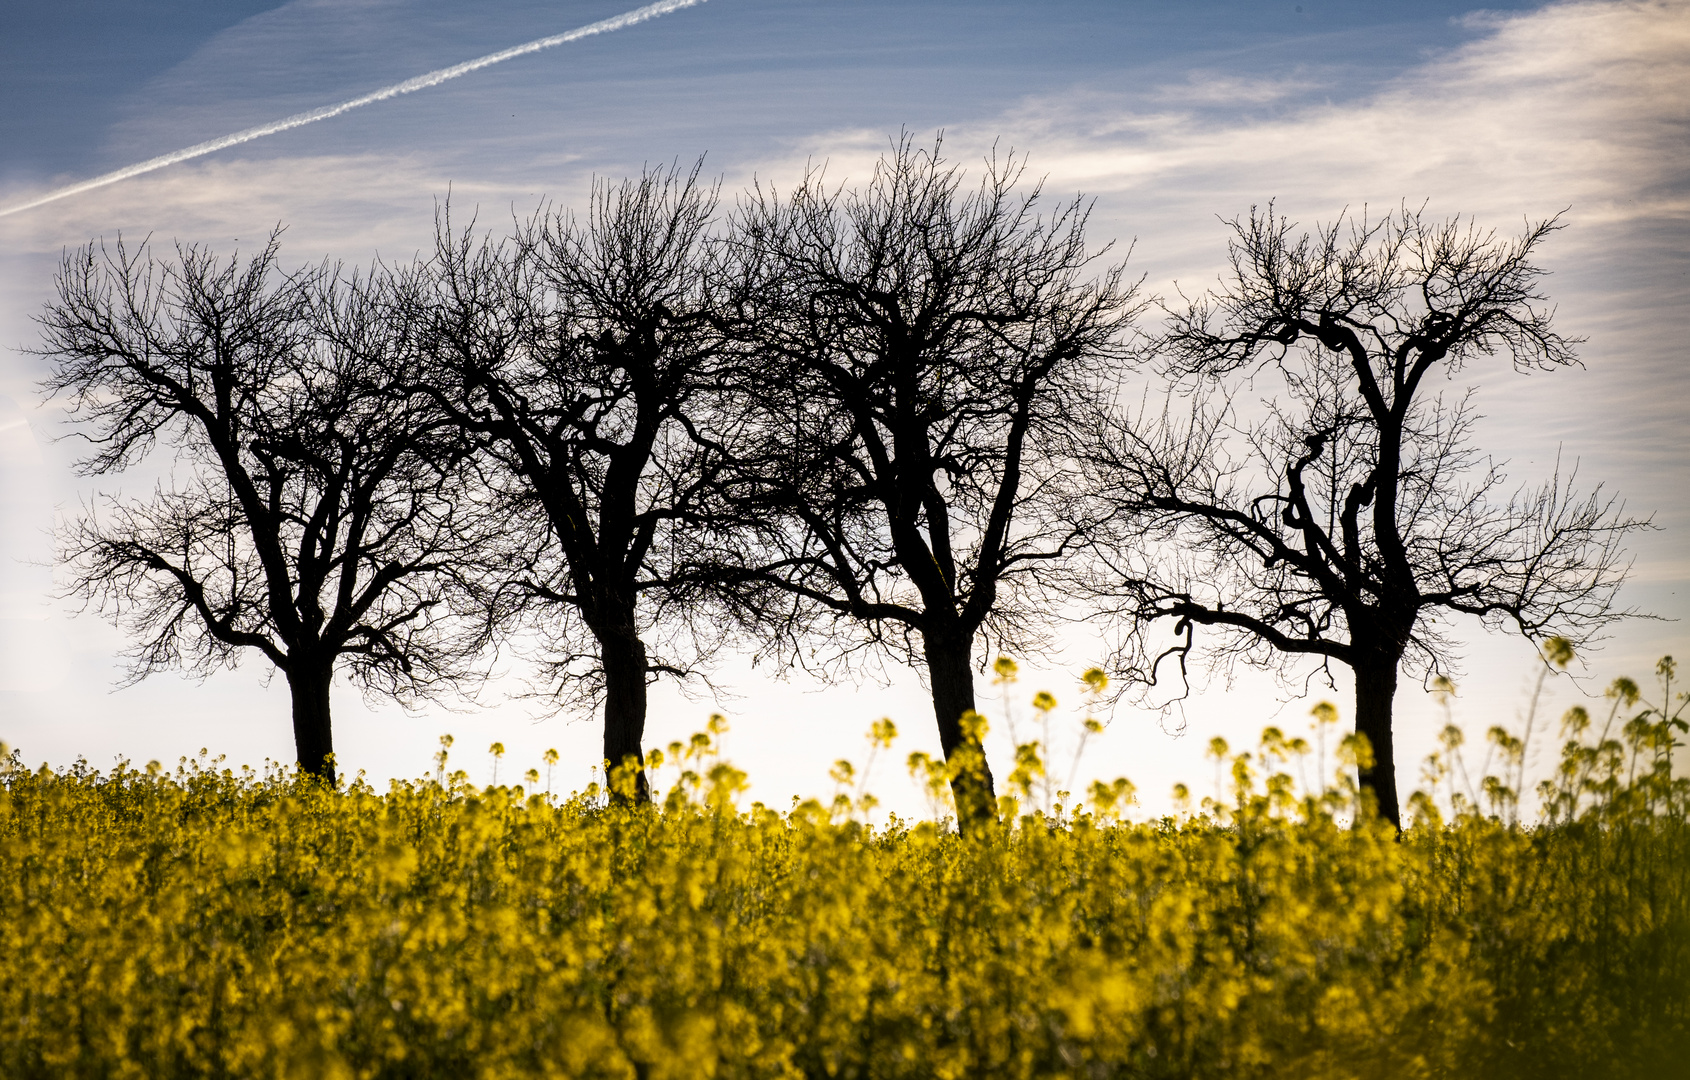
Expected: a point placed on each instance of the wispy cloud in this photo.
(1220, 89)
(421, 82)
(1583, 104)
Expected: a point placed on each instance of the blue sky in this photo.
(1171, 115)
(89, 85)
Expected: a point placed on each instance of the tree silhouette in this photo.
(581, 355)
(916, 352)
(314, 518)
(1358, 514)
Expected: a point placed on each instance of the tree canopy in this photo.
(1357, 516)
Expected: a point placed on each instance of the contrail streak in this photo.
(421, 82)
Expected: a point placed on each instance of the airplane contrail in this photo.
(421, 82)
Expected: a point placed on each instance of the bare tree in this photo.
(310, 517)
(1358, 515)
(919, 350)
(582, 355)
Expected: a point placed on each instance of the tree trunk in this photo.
(952, 678)
(624, 658)
(1376, 687)
(313, 740)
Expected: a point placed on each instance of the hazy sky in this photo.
(1170, 115)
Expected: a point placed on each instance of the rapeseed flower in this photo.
(212, 922)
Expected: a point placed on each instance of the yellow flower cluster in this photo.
(215, 924)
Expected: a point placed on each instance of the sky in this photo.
(1172, 117)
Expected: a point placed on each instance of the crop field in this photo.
(208, 922)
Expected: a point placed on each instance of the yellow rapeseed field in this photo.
(209, 923)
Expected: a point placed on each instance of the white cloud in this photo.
(1584, 104)
(1583, 107)
(1213, 88)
